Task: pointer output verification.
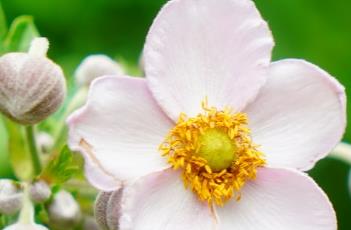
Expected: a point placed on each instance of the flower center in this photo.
(215, 153)
(217, 149)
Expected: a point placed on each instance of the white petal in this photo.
(20, 226)
(279, 199)
(161, 202)
(219, 49)
(119, 131)
(299, 115)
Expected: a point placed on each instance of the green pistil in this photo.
(217, 148)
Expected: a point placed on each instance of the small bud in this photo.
(95, 66)
(31, 86)
(108, 209)
(342, 152)
(45, 142)
(11, 197)
(64, 211)
(39, 192)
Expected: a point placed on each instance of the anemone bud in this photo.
(39, 192)
(31, 86)
(10, 197)
(45, 142)
(108, 209)
(64, 211)
(95, 66)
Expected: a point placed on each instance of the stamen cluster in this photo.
(182, 146)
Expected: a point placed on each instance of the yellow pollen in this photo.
(215, 153)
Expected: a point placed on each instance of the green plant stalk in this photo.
(77, 100)
(33, 150)
(2, 221)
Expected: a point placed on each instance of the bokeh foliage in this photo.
(316, 30)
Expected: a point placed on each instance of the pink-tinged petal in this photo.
(25, 226)
(160, 201)
(118, 131)
(219, 49)
(279, 199)
(299, 115)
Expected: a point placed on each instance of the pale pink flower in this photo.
(29, 226)
(219, 50)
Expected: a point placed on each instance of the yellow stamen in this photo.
(215, 152)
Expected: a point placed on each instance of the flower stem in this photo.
(2, 221)
(26, 215)
(60, 134)
(33, 149)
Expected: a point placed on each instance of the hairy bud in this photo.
(108, 209)
(95, 66)
(39, 192)
(45, 142)
(64, 211)
(31, 86)
(11, 196)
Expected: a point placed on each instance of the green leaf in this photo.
(42, 215)
(20, 35)
(19, 153)
(5, 166)
(3, 25)
(61, 168)
(3, 29)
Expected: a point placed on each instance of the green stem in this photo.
(33, 150)
(2, 221)
(26, 215)
(77, 101)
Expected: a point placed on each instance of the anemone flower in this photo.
(215, 136)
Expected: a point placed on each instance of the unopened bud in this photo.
(108, 209)
(31, 86)
(39, 192)
(64, 211)
(45, 142)
(95, 66)
(11, 196)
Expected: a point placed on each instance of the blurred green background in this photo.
(316, 30)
